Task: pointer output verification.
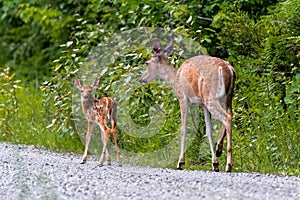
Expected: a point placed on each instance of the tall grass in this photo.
(24, 118)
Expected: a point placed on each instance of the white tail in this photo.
(201, 80)
(99, 111)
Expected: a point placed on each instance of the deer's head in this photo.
(159, 59)
(85, 90)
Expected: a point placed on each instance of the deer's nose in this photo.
(142, 81)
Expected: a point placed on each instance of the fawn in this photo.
(98, 111)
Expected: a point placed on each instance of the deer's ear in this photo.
(156, 47)
(95, 84)
(77, 83)
(169, 49)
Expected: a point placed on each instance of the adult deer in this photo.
(98, 111)
(203, 81)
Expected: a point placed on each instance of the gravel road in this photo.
(31, 173)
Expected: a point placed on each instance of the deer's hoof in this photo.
(228, 167)
(215, 166)
(120, 164)
(180, 164)
(109, 163)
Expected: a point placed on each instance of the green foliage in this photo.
(265, 54)
(9, 101)
(293, 95)
(238, 32)
(265, 130)
(31, 35)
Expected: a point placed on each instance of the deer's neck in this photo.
(87, 105)
(168, 74)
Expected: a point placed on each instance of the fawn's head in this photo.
(159, 59)
(85, 90)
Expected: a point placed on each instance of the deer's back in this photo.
(206, 75)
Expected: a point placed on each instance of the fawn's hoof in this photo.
(120, 164)
(109, 163)
(100, 165)
(83, 162)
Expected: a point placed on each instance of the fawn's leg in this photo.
(106, 132)
(114, 134)
(87, 141)
(113, 122)
(108, 159)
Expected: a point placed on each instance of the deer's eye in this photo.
(81, 91)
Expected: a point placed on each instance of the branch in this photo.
(205, 18)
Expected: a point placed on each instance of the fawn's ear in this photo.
(77, 83)
(169, 48)
(95, 84)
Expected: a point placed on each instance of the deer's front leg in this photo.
(183, 110)
(87, 141)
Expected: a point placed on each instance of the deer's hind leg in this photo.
(223, 134)
(207, 116)
(216, 110)
(219, 146)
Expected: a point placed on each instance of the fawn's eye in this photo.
(81, 91)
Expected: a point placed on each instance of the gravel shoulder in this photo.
(31, 173)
